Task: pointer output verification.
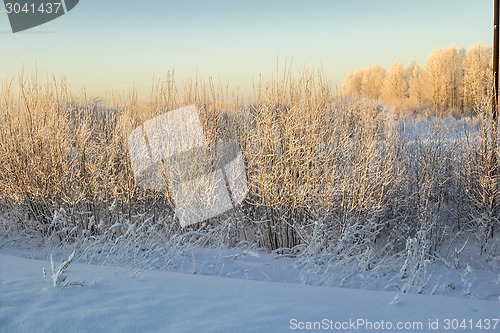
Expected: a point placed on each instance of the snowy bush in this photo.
(349, 187)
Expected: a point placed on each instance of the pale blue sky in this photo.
(109, 44)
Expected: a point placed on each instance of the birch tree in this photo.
(395, 88)
(477, 79)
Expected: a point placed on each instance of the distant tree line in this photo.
(452, 80)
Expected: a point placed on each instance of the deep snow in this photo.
(119, 299)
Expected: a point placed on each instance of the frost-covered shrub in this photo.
(337, 177)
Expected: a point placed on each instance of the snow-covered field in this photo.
(139, 276)
(253, 291)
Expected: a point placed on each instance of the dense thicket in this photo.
(326, 173)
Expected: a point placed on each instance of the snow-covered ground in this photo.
(227, 291)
